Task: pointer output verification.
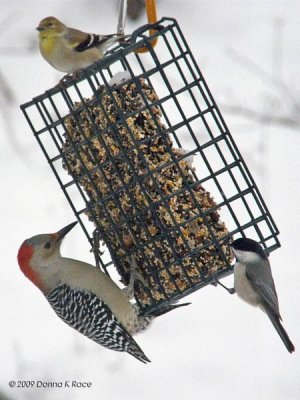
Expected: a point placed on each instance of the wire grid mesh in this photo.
(115, 144)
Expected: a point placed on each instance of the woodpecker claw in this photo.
(96, 249)
(135, 275)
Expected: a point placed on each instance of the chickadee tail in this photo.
(166, 309)
(281, 331)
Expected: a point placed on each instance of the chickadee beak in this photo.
(62, 232)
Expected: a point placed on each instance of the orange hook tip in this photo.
(152, 19)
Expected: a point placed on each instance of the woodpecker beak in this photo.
(62, 233)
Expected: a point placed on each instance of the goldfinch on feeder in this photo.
(68, 49)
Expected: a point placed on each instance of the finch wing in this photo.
(81, 41)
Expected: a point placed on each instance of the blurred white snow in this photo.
(218, 348)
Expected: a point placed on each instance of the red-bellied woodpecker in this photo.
(83, 296)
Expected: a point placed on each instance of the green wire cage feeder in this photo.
(149, 167)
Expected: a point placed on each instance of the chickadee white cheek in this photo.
(246, 256)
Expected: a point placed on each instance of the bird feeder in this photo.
(149, 167)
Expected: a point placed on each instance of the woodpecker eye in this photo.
(47, 245)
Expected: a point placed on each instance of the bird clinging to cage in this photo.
(253, 282)
(84, 297)
(68, 49)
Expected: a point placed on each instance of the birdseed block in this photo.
(145, 202)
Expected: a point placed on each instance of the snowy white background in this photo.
(218, 348)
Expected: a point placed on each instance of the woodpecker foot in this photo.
(217, 282)
(129, 290)
(135, 275)
(96, 248)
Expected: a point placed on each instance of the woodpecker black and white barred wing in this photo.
(89, 315)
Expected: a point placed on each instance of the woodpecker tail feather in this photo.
(280, 330)
(135, 351)
(165, 309)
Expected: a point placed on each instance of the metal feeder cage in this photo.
(166, 210)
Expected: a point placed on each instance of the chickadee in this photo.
(253, 282)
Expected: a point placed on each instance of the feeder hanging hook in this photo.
(151, 16)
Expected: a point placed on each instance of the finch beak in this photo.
(62, 232)
(39, 28)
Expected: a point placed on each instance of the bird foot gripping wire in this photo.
(134, 276)
(216, 282)
(69, 78)
(96, 248)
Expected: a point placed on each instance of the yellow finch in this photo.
(69, 50)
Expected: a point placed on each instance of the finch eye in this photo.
(47, 245)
